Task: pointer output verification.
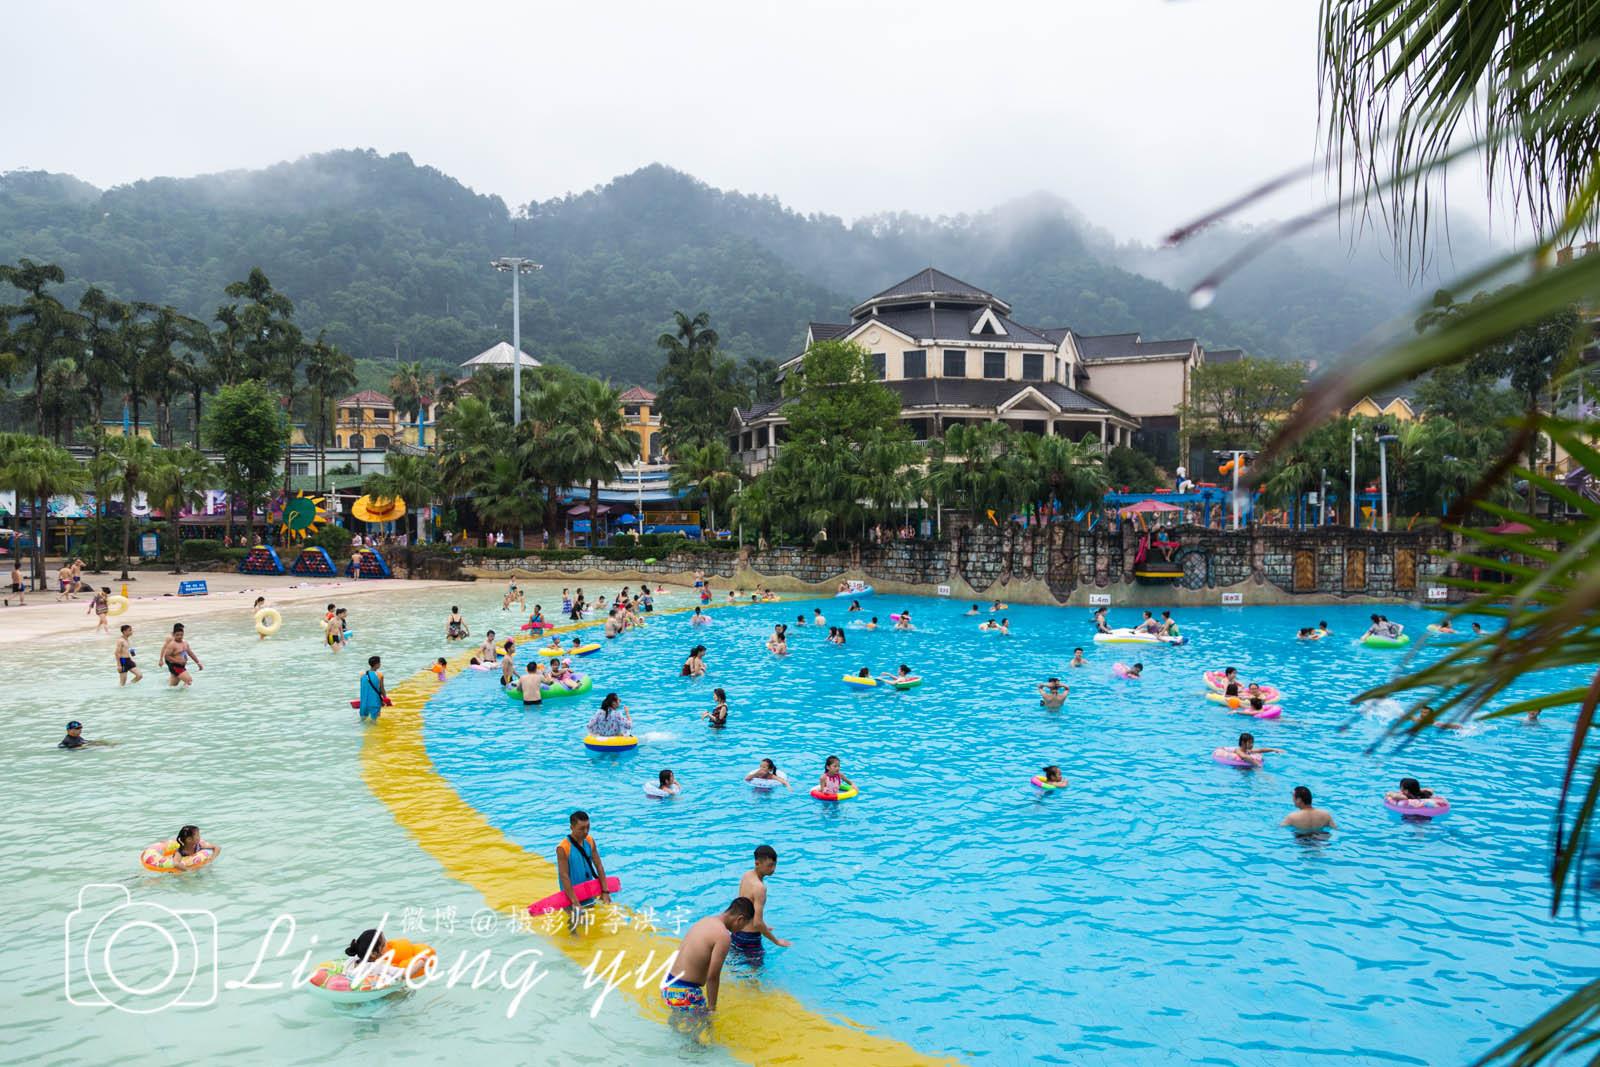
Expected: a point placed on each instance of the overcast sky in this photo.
(1142, 112)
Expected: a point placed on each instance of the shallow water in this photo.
(1152, 912)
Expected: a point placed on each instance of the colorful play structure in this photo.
(262, 559)
(315, 562)
(370, 563)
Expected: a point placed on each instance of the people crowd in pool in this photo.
(740, 929)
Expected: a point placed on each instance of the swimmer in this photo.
(699, 618)
(1446, 628)
(1077, 659)
(190, 842)
(799, 620)
(123, 654)
(438, 667)
(767, 772)
(1052, 694)
(835, 635)
(368, 955)
(695, 665)
(1005, 627)
(778, 642)
(833, 780)
(903, 675)
(554, 644)
(100, 604)
(176, 654)
(578, 861)
(904, 621)
(612, 720)
(1246, 750)
(1136, 671)
(667, 782)
(455, 628)
(987, 625)
(972, 610)
(1410, 789)
(1148, 625)
(1052, 776)
(999, 605)
(872, 623)
(691, 985)
(1099, 620)
(1305, 818)
(373, 693)
(1306, 633)
(753, 887)
(817, 618)
(1322, 629)
(718, 715)
(532, 686)
(75, 738)
(1169, 625)
(855, 605)
(261, 602)
(508, 664)
(1255, 705)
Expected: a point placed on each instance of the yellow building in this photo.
(638, 415)
(1394, 407)
(365, 420)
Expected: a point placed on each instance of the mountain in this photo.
(389, 257)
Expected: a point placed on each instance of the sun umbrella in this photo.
(1510, 528)
(369, 510)
(1148, 507)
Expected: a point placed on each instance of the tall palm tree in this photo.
(329, 372)
(502, 497)
(177, 481)
(63, 396)
(135, 457)
(594, 440)
(411, 386)
(48, 331)
(471, 435)
(101, 469)
(704, 474)
(40, 471)
(414, 479)
(103, 362)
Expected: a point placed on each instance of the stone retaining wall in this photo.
(1060, 565)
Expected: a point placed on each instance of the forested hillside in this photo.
(390, 257)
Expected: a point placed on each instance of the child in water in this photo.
(833, 780)
(767, 772)
(1136, 671)
(1052, 776)
(438, 669)
(1410, 789)
(667, 782)
(1247, 751)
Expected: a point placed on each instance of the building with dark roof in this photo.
(953, 353)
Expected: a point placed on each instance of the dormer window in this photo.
(988, 324)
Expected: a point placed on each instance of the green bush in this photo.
(336, 539)
(200, 551)
(1130, 468)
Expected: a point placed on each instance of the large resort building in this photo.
(953, 354)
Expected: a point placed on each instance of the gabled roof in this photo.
(637, 395)
(993, 394)
(955, 326)
(1224, 355)
(931, 284)
(829, 331)
(1129, 346)
(367, 398)
(499, 356)
(748, 415)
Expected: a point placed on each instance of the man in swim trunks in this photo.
(532, 684)
(176, 654)
(578, 861)
(19, 588)
(696, 972)
(1077, 659)
(1305, 818)
(1148, 625)
(753, 887)
(487, 651)
(124, 657)
(1053, 694)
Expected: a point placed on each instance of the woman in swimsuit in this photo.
(456, 628)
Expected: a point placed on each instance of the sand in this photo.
(153, 601)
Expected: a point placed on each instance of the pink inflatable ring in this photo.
(1426, 808)
(1227, 758)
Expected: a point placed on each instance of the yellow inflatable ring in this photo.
(581, 650)
(116, 604)
(610, 744)
(268, 620)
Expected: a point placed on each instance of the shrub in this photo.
(201, 551)
(336, 539)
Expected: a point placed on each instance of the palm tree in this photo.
(502, 496)
(414, 479)
(135, 456)
(63, 395)
(705, 474)
(102, 318)
(102, 471)
(178, 480)
(471, 435)
(329, 372)
(594, 440)
(48, 331)
(40, 471)
(411, 387)
(1072, 473)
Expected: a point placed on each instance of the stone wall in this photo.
(1059, 565)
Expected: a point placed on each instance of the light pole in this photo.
(1354, 437)
(638, 499)
(1383, 474)
(518, 267)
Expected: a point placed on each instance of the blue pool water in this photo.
(1152, 912)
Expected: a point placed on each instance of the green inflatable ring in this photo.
(651, 559)
(555, 692)
(1374, 641)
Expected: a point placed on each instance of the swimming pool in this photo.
(1152, 912)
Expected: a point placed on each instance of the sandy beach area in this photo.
(153, 600)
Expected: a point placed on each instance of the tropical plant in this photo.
(413, 479)
(133, 458)
(594, 439)
(250, 431)
(329, 372)
(176, 482)
(412, 387)
(704, 475)
(501, 496)
(699, 386)
(40, 471)
(471, 435)
(101, 469)
(47, 330)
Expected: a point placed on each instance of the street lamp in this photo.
(518, 267)
(1354, 437)
(1383, 474)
